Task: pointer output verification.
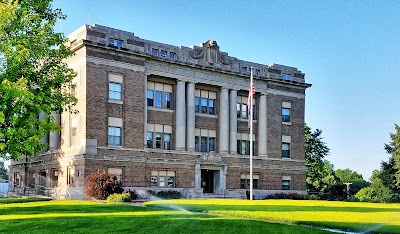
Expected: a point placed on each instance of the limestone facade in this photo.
(191, 135)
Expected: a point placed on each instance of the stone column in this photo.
(180, 113)
(223, 122)
(190, 116)
(197, 176)
(145, 113)
(262, 126)
(232, 122)
(54, 141)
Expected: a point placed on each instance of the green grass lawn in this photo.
(208, 216)
(380, 218)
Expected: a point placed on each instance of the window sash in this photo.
(285, 184)
(150, 97)
(154, 52)
(114, 136)
(149, 137)
(245, 183)
(285, 115)
(285, 150)
(114, 91)
(158, 103)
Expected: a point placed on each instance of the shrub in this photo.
(133, 194)
(293, 196)
(353, 199)
(100, 185)
(119, 197)
(169, 194)
(313, 197)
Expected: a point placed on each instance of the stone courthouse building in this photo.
(166, 117)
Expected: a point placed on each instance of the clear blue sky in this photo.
(349, 51)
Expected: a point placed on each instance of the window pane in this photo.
(197, 104)
(154, 52)
(168, 98)
(167, 141)
(211, 144)
(255, 183)
(158, 99)
(111, 41)
(244, 111)
(162, 181)
(203, 144)
(243, 183)
(172, 55)
(163, 53)
(158, 140)
(238, 105)
(238, 146)
(285, 115)
(196, 143)
(285, 184)
(153, 181)
(211, 106)
(171, 182)
(285, 150)
(149, 137)
(150, 98)
(119, 44)
(204, 105)
(243, 146)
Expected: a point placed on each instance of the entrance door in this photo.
(42, 182)
(207, 180)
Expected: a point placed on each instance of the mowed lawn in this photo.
(349, 216)
(205, 216)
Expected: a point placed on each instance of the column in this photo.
(223, 122)
(190, 116)
(180, 113)
(197, 176)
(262, 126)
(145, 113)
(54, 142)
(232, 122)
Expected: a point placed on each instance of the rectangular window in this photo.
(158, 139)
(197, 104)
(114, 135)
(70, 175)
(211, 143)
(245, 181)
(115, 91)
(257, 72)
(286, 77)
(244, 111)
(116, 43)
(242, 108)
(167, 141)
(197, 142)
(172, 55)
(285, 150)
(154, 52)
(149, 137)
(205, 103)
(150, 98)
(165, 179)
(203, 144)
(159, 95)
(243, 147)
(163, 53)
(285, 184)
(243, 70)
(205, 140)
(286, 115)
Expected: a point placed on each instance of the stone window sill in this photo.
(160, 109)
(115, 101)
(287, 123)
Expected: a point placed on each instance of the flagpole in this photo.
(251, 133)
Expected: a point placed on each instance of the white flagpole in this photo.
(251, 133)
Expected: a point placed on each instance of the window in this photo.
(116, 43)
(257, 72)
(114, 91)
(242, 108)
(243, 70)
(117, 172)
(172, 55)
(285, 150)
(159, 95)
(54, 178)
(204, 102)
(70, 175)
(286, 77)
(154, 52)
(159, 136)
(163, 53)
(243, 144)
(165, 179)
(114, 135)
(286, 115)
(205, 140)
(245, 181)
(285, 184)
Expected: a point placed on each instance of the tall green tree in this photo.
(3, 172)
(33, 77)
(321, 178)
(390, 175)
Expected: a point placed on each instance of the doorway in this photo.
(207, 180)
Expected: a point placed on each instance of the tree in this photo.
(350, 176)
(33, 77)
(100, 185)
(376, 192)
(390, 175)
(3, 172)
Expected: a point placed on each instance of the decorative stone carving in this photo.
(210, 157)
(209, 52)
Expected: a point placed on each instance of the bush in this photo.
(313, 197)
(133, 195)
(353, 199)
(100, 185)
(169, 194)
(293, 196)
(119, 197)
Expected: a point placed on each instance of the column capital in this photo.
(223, 89)
(180, 82)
